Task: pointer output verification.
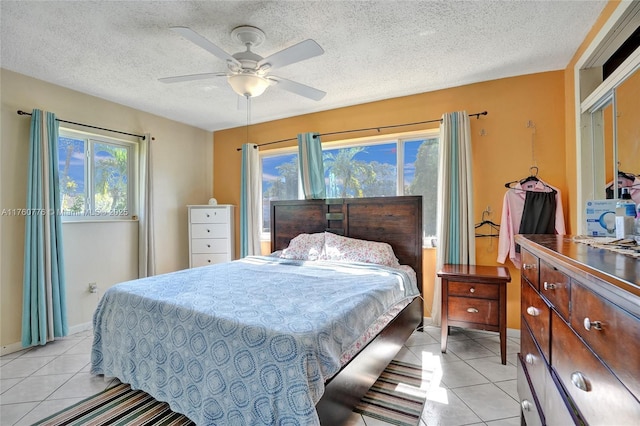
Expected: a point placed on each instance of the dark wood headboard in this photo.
(393, 220)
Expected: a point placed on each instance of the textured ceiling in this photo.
(374, 50)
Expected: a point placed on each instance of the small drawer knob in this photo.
(588, 324)
(208, 230)
(549, 286)
(472, 310)
(208, 245)
(580, 381)
(207, 214)
(533, 311)
(528, 266)
(472, 290)
(209, 260)
(530, 359)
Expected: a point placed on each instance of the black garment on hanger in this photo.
(539, 213)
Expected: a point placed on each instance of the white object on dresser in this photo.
(211, 234)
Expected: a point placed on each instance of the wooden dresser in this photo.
(211, 234)
(579, 360)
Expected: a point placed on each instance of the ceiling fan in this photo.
(248, 73)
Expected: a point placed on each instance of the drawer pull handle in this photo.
(580, 381)
(548, 286)
(526, 405)
(530, 359)
(529, 266)
(533, 311)
(588, 324)
(472, 310)
(472, 290)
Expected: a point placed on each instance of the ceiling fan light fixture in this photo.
(248, 85)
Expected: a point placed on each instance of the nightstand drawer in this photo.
(479, 311)
(480, 291)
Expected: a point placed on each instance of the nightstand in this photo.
(475, 296)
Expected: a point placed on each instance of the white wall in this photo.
(105, 253)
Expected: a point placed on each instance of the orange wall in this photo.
(501, 145)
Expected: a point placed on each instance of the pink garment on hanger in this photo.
(512, 208)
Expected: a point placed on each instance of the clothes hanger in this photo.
(533, 177)
(494, 227)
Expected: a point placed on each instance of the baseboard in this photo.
(17, 347)
(511, 332)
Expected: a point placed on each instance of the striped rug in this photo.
(122, 406)
(397, 397)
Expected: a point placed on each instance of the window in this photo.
(96, 176)
(376, 167)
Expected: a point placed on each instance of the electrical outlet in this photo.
(93, 288)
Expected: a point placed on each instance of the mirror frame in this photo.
(592, 94)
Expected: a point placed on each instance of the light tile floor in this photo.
(466, 386)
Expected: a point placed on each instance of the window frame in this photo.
(398, 138)
(90, 214)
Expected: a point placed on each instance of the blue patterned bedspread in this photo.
(249, 342)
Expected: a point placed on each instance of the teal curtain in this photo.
(250, 199)
(44, 313)
(455, 224)
(311, 166)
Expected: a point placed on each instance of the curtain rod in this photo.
(88, 125)
(477, 115)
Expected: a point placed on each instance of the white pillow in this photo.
(305, 247)
(337, 247)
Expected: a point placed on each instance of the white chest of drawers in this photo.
(211, 234)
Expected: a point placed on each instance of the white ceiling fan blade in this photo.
(298, 88)
(191, 77)
(296, 53)
(197, 39)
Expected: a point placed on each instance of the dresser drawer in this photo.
(528, 402)
(557, 409)
(479, 311)
(536, 313)
(530, 267)
(209, 259)
(208, 230)
(476, 290)
(613, 334)
(600, 396)
(209, 245)
(556, 287)
(210, 215)
(533, 361)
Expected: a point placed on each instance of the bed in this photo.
(276, 361)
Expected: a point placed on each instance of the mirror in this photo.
(616, 138)
(607, 113)
(628, 124)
